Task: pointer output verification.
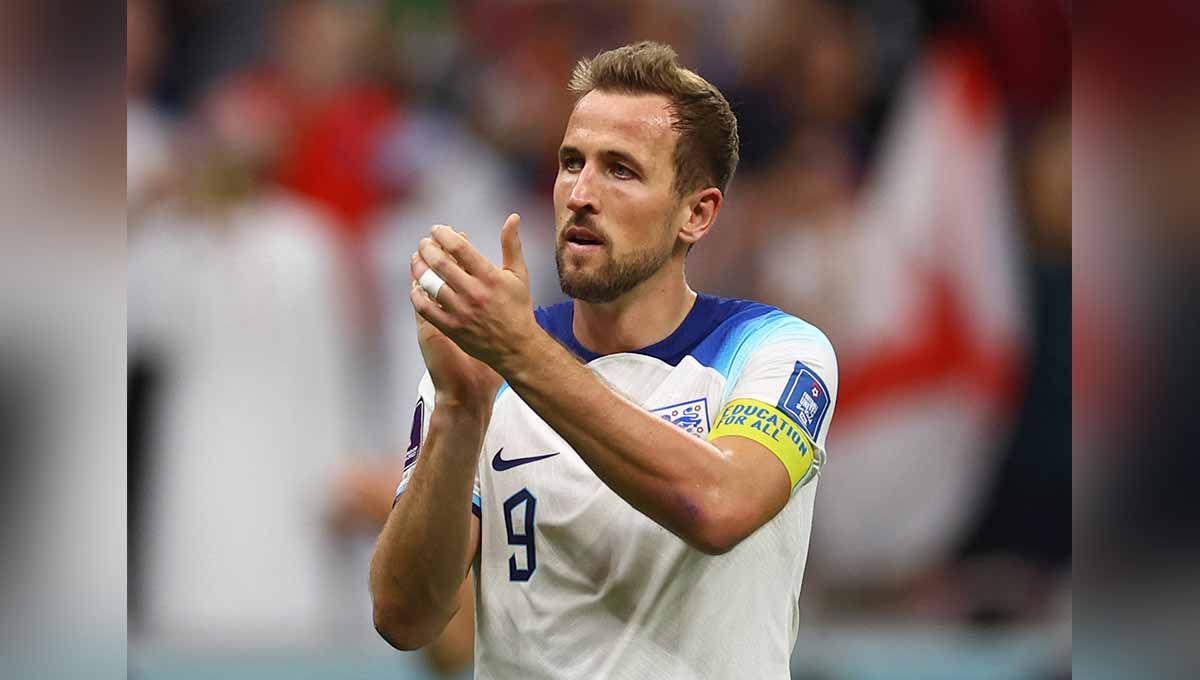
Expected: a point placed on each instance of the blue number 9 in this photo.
(522, 538)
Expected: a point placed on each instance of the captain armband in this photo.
(761, 422)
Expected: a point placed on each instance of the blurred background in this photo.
(905, 185)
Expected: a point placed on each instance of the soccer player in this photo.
(630, 474)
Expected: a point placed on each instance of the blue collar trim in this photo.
(707, 314)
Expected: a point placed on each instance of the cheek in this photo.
(629, 206)
(562, 193)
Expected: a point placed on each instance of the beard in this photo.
(613, 279)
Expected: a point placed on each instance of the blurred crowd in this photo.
(905, 185)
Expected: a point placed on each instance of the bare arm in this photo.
(453, 650)
(431, 537)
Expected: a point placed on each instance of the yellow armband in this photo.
(759, 421)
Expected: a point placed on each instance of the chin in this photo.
(584, 286)
(605, 279)
(580, 264)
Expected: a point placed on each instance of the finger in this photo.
(416, 266)
(431, 283)
(429, 310)
(461, 250)
(510, 244)
(446, 296)
(417, 290)
(446, 267)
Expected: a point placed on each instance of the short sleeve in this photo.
(420, 428)
(476, 502)
(416, 438)
(784, 398)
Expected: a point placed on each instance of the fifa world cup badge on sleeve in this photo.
(414, 444)
(806, 399)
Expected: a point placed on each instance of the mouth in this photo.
(581, 240)
(582, 236)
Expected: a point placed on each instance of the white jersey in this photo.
(573, 582)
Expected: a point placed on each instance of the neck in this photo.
(643, 316)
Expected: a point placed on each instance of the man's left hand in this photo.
(486, 310)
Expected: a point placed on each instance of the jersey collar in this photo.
(703, 317)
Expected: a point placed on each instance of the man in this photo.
(644, 458)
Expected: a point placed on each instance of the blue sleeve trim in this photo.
(728, 349)
(476, 506)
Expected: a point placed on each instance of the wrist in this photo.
(538, 363)
(525, 356)
(472, 410)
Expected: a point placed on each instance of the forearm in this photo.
(672, 477)
(423, 552)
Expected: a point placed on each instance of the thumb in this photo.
(510, 244)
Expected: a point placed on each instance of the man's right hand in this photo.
(458, 377)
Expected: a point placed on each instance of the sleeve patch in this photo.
(414, 445)
(760, 422)
(805, 399)
(414, 436)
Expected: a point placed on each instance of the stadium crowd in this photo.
(905, 185)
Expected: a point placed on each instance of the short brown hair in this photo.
(707, 151)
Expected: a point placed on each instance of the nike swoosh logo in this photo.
(500, 465)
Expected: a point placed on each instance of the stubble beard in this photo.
(613, 279)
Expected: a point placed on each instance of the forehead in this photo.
(638, 124)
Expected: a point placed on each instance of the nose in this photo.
(582, 199)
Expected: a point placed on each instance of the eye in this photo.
(622, 172)
(572, 163)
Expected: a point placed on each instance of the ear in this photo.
(702, 207)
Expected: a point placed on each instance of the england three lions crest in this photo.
(690, 416)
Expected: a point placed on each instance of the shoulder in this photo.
(750, 319)
(743, 328)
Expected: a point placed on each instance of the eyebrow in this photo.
(622, 156)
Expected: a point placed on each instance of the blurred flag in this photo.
(929, 331)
